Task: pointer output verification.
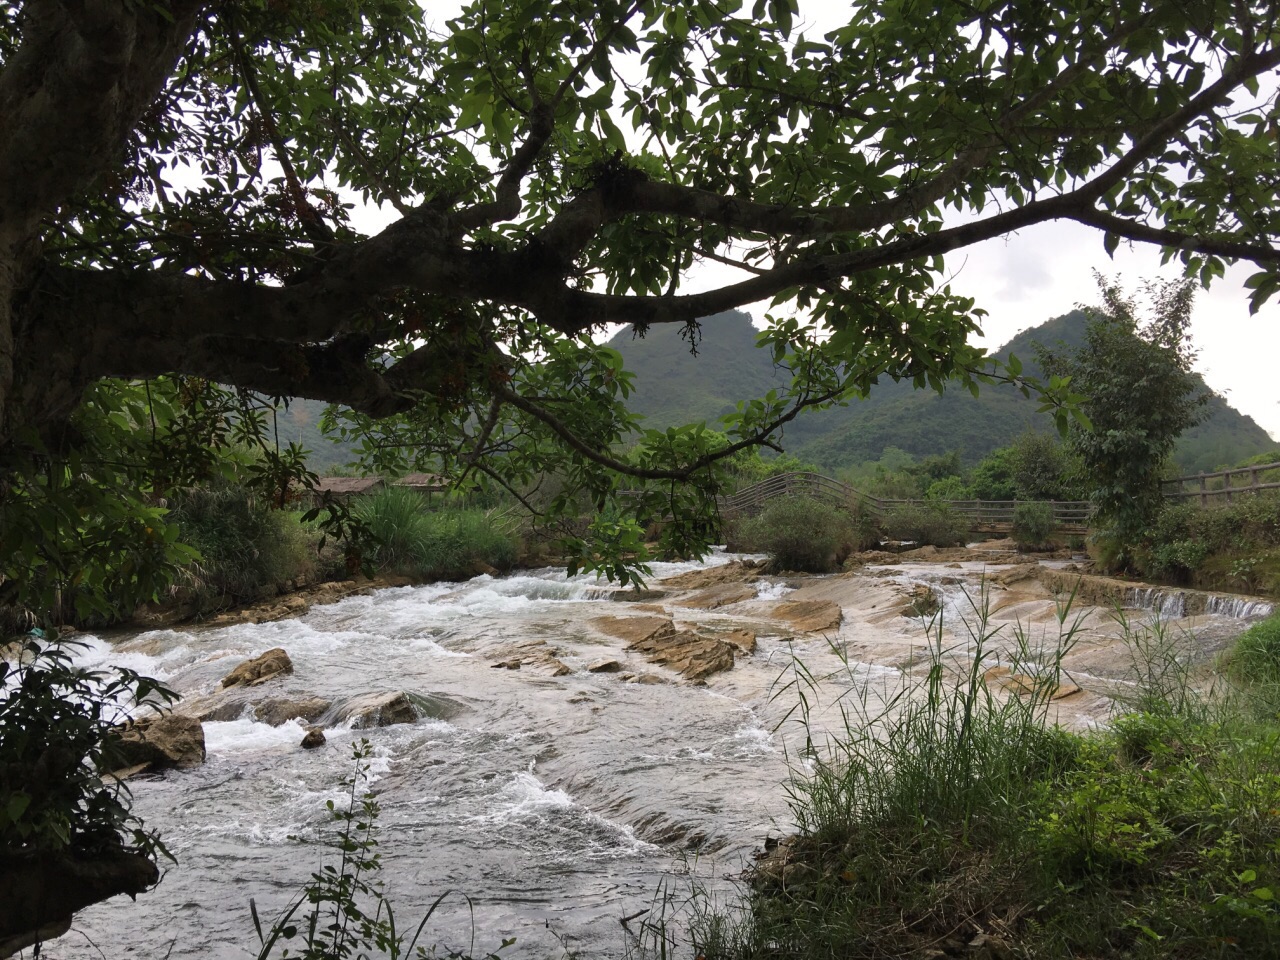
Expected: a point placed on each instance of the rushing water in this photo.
(557, 804)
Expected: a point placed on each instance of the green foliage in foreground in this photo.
(406, 537)
(957, 815)
(55, 752)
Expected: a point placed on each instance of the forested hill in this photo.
(673, 386)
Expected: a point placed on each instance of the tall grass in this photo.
(950, 748)
(954, 819)
(405, 537)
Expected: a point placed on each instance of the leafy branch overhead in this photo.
(177, 181)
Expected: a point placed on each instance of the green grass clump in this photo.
(957, 820)
(404, 537)
(1255, 659)
(800, 533)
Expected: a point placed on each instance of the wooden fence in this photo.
(1223, 483)
(994, 516)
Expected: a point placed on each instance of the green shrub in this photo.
(245, 545)
(948, 488)
(1033, 525)
(1256, 655)
(405, 537)
(1225, 546)
(927, 523)
(799, 533)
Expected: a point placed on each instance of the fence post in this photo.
(1204, 497)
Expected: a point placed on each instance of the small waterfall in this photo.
(1238, 607)
(1170, 604)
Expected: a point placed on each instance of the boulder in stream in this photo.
(694, 657)
(604, 666)
(258, 670)
(378, 710)
(160, 742)
(278, 711)
(396, 706)
(314, 738)
(741, 638)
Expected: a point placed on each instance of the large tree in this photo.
(1141, 396)
(173, 176)
(175, 188)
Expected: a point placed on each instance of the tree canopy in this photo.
(1141, 394)
(178, 248)
(177, 181)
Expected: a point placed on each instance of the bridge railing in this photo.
(1204, 487)
(983, 514)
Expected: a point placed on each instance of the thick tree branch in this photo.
(572, 440)
(72, 94)
(1197, 243)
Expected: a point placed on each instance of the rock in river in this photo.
(274, 663)
(313, 739)
(159, 742)
(280, 710)
(810, 616)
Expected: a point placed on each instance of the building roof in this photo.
(348, 486)
(423, 481)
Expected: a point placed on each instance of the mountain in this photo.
(672, 386)
(300, 423)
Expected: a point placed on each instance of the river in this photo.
(551, 807)
(557, 805)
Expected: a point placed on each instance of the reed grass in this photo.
(952, 818)
(405, 537)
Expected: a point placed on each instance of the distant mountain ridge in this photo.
(674, 387)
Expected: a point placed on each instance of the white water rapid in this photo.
(558, 805)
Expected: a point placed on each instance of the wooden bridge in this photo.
(986, 516)
(1228, 484)
(996, 516)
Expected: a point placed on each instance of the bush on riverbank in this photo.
(799, 533)
(1228, 546)
(959, 821)
(928, 523)
(1033, 525)
(245, 546)
(405, 538)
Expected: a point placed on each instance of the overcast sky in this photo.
(1043, 272)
